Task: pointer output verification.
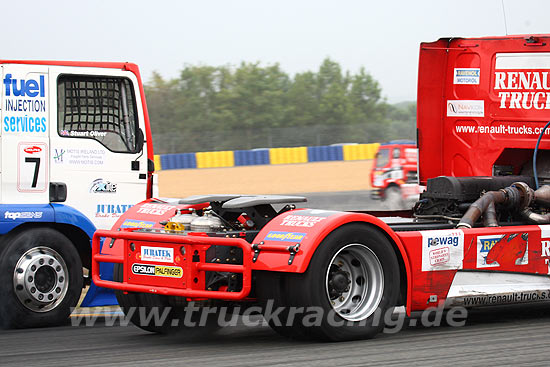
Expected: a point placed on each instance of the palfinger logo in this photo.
(157, 270)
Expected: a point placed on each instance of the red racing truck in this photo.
(394, 176)
(479, 234)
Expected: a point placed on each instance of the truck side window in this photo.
(396, 153)
(98, 107)
(382, 158)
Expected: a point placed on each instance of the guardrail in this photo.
(253, 157)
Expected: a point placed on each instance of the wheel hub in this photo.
(355, 282)
(338, 283)
(40, 279)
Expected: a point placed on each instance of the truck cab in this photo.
(76, 153)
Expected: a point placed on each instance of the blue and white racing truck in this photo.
(76, 153)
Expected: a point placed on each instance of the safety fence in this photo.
(232, 158)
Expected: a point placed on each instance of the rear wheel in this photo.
(351, 283)
(40, 279)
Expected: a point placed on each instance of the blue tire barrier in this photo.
(178, 161)
(325, 153)
(251, 157)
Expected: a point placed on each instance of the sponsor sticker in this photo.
(58, 155)
(100, 186)
(157, 254)
(157, 270)
(502, 250)
(25, 103)
(521, 81)
(79, 157)
(84, 134)
(484, 246)
(135, 223)
(440, 256)
(155, 209)
(22, 215)
(285, 236)
(442, 250)
(466, 76)
(111, 210)
(32, 150)
(301, 221)
(456, 108)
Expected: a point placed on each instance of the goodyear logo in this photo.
(488, 243)
(134, 223)
(157, 270)
(285, 236)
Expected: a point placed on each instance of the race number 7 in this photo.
(36, 162)
(32, 169)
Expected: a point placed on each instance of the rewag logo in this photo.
(448, 240)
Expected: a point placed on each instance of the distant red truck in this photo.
(394, 177)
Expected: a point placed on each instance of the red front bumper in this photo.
(189, 254)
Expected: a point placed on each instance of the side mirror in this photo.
(140, 140)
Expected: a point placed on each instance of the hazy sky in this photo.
(161, 35)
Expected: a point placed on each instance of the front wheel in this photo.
(351, 283)
(393, 198)
(40, 279)
(163, 314)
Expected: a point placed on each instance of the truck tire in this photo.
(272, 295)
(40, 279)
(158, 313)
(352, 280)
(393, 198)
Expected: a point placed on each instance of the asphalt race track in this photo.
(493, 336)
(505, 335)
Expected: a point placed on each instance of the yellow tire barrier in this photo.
(215, 159)
(158, 165)
(288, 155)
(360, 151)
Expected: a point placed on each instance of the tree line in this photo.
(253, 106)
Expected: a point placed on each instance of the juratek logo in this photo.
(100, 186)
